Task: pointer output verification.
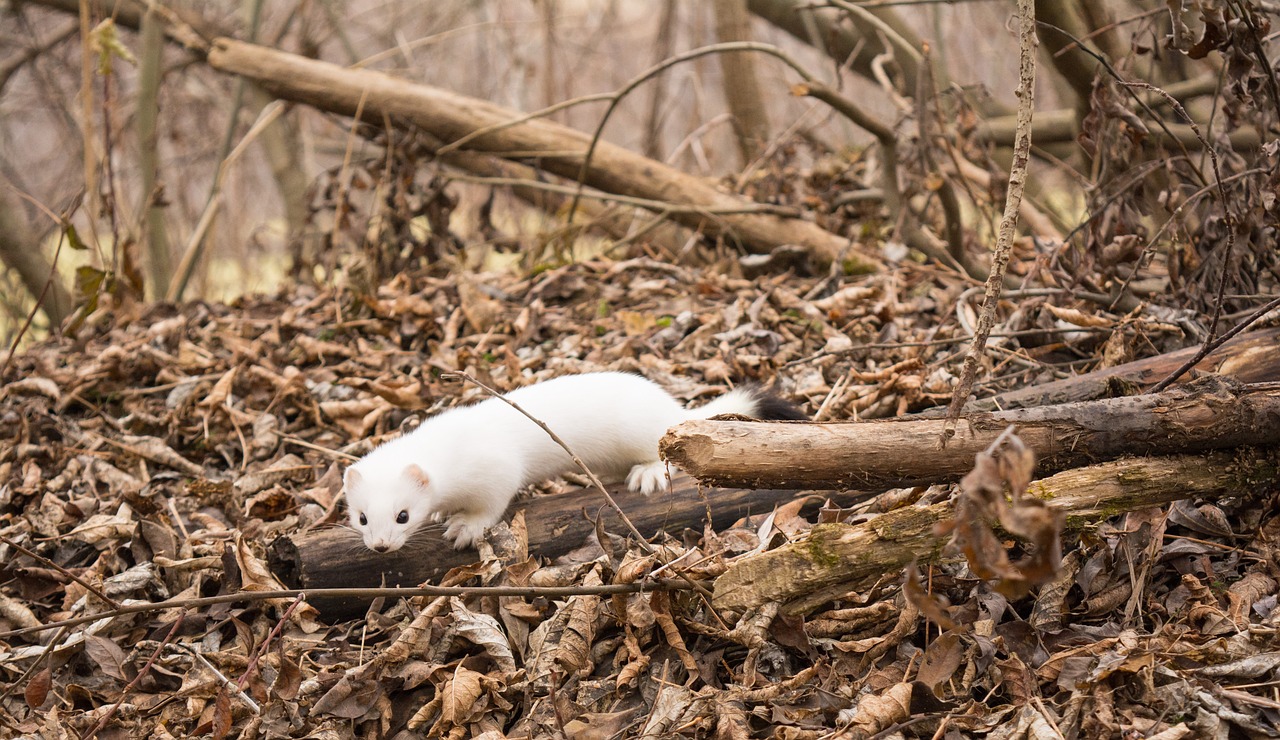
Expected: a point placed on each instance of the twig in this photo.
(195, 248)
(266, 644)
(658, 68)
(1227, 215)
(945, 341)
(1004, 240)
(49, 563)
(44, 658)
(134, 683)
(1214, 344)
(44, 293)
(223, 680)
(551, 592)
(652, 205)
(14, 63)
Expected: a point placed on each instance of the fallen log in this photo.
(1210, 413)
(695, 202)
(838, 558)
(1247, 358)
(334, 558)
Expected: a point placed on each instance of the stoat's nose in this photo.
(382, 547)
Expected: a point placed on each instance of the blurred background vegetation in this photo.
(114, 141)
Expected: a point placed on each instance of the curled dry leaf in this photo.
(983, 500)
(484, 631)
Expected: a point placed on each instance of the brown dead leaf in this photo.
(37, 689)
(660, 604)
(876, 712)
(407, 396)
(288, 675)
(108, 656)
(349, 698)
(942, 658)
(599, 726)
(221, 715)
(983, 500)
(1244, 593)
(483, 631)
(1078, 318)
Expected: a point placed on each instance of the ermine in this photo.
(467, 463)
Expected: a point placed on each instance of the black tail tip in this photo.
(772, 407)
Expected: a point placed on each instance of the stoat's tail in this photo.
(750, 400)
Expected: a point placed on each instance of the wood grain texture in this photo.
(1211, 413)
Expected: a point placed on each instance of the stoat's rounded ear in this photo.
(417, 475)
(351, 478)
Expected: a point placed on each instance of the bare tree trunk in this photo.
(20, 250)
(150, 58)
(282, 144)
(741, 87)
(663, 45)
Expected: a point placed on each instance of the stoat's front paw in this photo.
(465, 530)
(648, 477)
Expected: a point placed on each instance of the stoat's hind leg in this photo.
(648, 477)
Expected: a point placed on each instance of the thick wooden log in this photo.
(837, 558)
(335, 558)
(449, 116)
(1211, 413)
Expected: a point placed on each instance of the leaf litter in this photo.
(154, 455)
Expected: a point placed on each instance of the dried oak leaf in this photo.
(875, 712)
(349, 698)
(484, 631)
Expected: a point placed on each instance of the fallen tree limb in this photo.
(556, 524)
(560, 150)
(1210, 413)
(837, 558)
(1248, 358)
(695, 202)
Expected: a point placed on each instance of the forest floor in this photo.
(156, 454)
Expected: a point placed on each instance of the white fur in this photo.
(475, 458)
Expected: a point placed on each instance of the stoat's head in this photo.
(386, 509)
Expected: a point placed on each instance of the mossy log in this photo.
(837, 558)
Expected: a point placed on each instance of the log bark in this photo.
(837, 558)
(448, 116)
(1247, 358)
(1210, 413)
(556, 524)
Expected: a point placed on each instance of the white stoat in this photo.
(467, 463)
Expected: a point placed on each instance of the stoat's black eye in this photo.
(363, 522)
(402, 517)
